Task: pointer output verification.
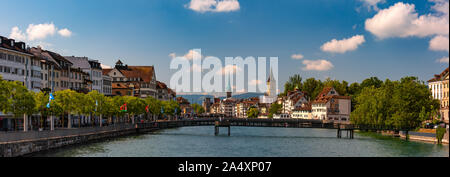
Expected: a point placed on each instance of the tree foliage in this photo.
(403, 104)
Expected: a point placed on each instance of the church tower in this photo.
(271, 85)
(228, 89)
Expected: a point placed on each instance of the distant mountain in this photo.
(199, 98)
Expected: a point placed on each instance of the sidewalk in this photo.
(425, 137)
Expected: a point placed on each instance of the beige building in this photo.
(330, 106)
(439, 87)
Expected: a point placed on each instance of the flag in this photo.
(123, 108)
(162, 110)
(96, 105)
(146, 108)
(50, 98)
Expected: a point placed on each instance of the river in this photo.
(252, 142)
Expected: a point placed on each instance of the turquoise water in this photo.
(253, 142)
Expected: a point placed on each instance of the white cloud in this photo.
(439, 43)
(213, 5)
(105, 66)
(443, 60)
(38, 32)
(172, 55)
(229, 69)
(344, 45)
(297, 56)
(401, 20)
(65, 32)
(255, 82)
(372, 4)
(317, 65)
(17, 34)
(190, 55)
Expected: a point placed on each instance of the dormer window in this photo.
(12, 43)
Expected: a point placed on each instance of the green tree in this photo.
(117, 102)
(65, 99)
(21, 101)
(400, 105)
(341, 87)
(294, 81)
(198, 108)
(100, 106)
(312, 87)
(373, 81)
(275, 108)
(169, 108)
(253, 112)
(154, 106)
(5, 89)
(41, 99)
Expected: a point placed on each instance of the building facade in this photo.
(439, 87)
(16, 63)
(330, 106)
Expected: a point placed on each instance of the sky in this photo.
(345, 40)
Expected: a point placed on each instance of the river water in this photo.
(252, 142)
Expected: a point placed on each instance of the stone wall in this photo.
(24, 147)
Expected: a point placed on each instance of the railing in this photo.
(18, 136)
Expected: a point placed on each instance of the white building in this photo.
(92, 67)
(302, 113)
(294, 100)
(330, 106)
(107, 85)
(16, 64)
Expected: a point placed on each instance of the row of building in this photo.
(40, 70)
(439, 87)
(328, 106)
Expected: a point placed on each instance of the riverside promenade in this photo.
(13, 144)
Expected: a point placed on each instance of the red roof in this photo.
(440, 76)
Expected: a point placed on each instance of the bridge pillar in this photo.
(229, 131)
(216, 130)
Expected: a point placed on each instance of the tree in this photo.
(135, 106)
(117, 102)
(399, 105)
(170, 106)
(5, 90)
(21, 101)
(154, 106)
(275, 108)
(198, 108)
(313, 87)
(294, 81)
(341, 88)
(100, 106)
(253, 112)
(373, 81)
(41, 99)
(65, 99)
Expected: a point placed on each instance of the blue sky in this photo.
(142, 32)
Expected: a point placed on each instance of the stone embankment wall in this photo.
(24, 147)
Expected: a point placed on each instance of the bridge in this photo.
(229, 122)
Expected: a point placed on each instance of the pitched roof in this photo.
(143, 72)
(439, 77)
(106, 71)
(44, 55)
(119, 86)
(6, 44)
(79, 62)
